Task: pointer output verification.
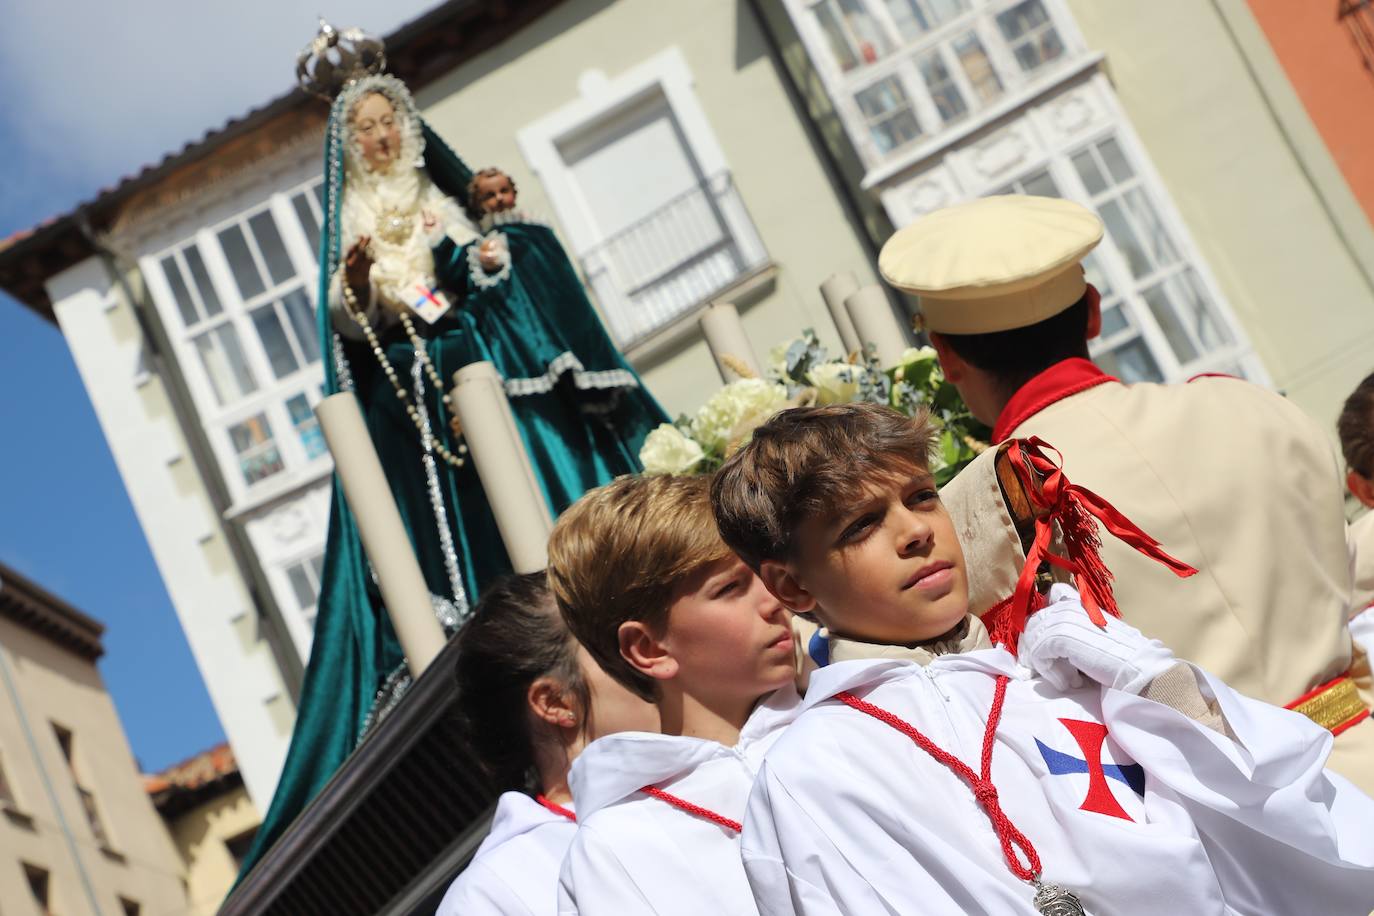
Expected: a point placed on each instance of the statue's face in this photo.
(495, 193)
(378, 131)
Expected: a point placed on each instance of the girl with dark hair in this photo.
(532, 698)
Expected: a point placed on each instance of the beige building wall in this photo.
(481, 106)
(139, 864)
(1256, 186)
(202, 835)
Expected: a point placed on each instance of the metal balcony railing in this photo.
(673, 260)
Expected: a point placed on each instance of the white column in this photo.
(837, 288)
(497, 449)
(725, 336)
(383, 534)
(877, 324)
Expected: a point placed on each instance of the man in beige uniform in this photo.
(1232, 479)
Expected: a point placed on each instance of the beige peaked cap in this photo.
(993, 264)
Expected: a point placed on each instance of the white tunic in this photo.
(635, 854)
(850, 816)
(515, 870)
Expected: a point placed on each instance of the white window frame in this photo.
(271, 394)
(981, 19)
(1127, 290)
(601, 98)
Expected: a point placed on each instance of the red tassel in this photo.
(1077, 511)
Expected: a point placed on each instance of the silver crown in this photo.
(333, 59)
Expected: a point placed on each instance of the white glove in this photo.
(1061, 644)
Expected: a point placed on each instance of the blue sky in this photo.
(95, 105)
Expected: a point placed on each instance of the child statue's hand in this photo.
(1062, 644)
(489, 255)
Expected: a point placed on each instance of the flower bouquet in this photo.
(802, 373)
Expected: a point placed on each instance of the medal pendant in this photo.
(1053, 900)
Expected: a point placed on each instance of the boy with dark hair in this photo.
(1134, 782)
(645, 583)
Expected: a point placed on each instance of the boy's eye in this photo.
(923, 496)
(728, 588)
(858, 528)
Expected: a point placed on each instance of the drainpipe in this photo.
(8, 677)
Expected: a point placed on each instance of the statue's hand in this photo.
(489, 255)
(358, 267)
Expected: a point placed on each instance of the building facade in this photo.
(1234, 243)
(662, 142)
(77, 832)
(212, 822)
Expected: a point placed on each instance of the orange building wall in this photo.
(1319, 53)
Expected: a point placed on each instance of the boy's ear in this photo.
(645, 652)
(951, 363)
(551, 703)
(786, 587)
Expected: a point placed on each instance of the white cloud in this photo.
(110, 87)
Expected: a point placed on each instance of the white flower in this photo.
(667, 451)
(835, 383)
(734, 412)
(915, 355)
(777, 357)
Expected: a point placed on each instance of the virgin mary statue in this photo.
(396, 325)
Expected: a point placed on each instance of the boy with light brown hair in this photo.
(647, 586)
(930, 772)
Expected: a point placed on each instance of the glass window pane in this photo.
(1089, 172)
(307, 426)
(317, 564)
(1040, 184)
(318, 188)
(1021, 19)
(1124, 237)
(1197, 311)
(835, 36)
(1130, 362)
(302, 319)
(1160, 245)
(910, 18)
(185, 304)
(1158, 299)
(889, 114)
(225, 367)
(240, 259)
(201, 276)
(1114, 322)
(943, 11)
(301, 585)
(273, 336)
(279, 265)
(943, 92)
(1115, 159)
(977, 66)
(1097, 276)
(306, 215)
(258, 455)
(872, 42)
(1030, 33)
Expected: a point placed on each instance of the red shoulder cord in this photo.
(556, 808)
(983, 789)
(1073, 508)
(683, 805)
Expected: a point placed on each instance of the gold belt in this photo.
(1335, 705)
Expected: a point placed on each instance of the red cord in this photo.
(684, 805)
(983, 789)
(556, 808)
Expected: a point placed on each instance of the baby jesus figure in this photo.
(491, 192)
